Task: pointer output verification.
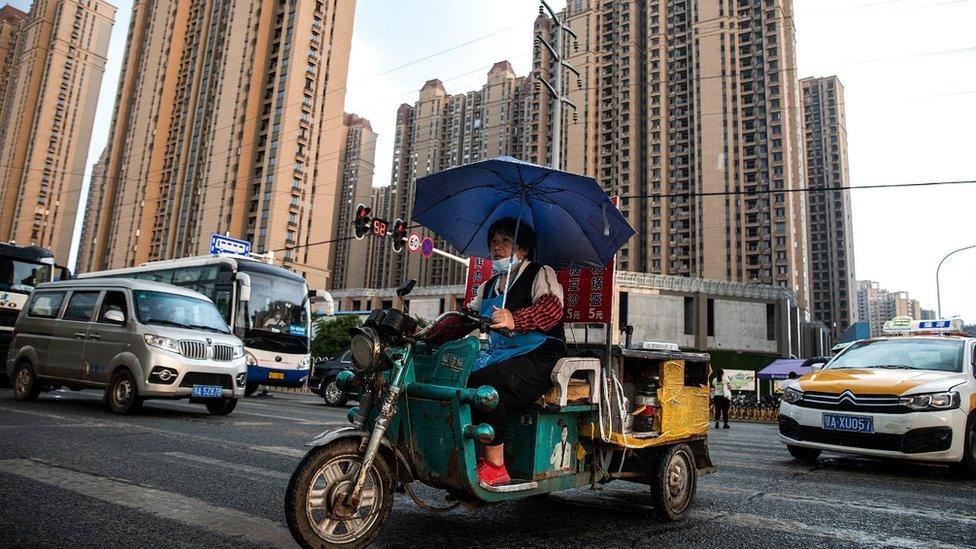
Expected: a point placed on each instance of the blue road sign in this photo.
(427, 247)
(220, 244)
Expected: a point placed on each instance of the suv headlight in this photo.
(238, 351)
(165, 343)
(932, 401)
(792, 396)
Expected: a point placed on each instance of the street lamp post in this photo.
(938, 294)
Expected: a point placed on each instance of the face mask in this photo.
(502, 265)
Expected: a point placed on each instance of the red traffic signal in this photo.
(361, 223)
(399, 235)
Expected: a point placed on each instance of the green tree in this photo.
(332, 336)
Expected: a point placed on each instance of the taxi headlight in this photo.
(161, 342)
(792, 396)
(932, 401)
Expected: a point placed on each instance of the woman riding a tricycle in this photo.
(522, 417)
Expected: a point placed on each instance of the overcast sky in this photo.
(908, 66)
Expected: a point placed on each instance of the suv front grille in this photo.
(201, 378)
(223, 353)
(849, 402)
(194, 349)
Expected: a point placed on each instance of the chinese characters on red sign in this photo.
(587, 293)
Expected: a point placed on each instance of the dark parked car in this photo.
(322, 380)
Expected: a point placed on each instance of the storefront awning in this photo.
(781, 368)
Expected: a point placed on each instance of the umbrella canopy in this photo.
(573, 218)
(781, 368)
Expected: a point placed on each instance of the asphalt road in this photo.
(72, 474)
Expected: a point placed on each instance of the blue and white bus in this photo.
(266, 306)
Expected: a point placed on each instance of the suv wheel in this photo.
(26, 386)
(333, 395)
(123, 394)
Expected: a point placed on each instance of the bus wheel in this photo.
(250, 388)
(222, 407)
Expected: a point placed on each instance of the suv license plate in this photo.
(207, 391)
(276, 375)
(851, 424)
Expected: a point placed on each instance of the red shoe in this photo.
(493, 475)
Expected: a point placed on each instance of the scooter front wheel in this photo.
(315, 504)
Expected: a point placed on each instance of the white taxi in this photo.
(909, 396)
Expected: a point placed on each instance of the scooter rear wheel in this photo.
(319, 484)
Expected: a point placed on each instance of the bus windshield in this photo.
(22, 276)
(276, 317)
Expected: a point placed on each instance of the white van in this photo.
(133, 339)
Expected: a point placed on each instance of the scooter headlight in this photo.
(367, 350)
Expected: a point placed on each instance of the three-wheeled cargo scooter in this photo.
(619, 413)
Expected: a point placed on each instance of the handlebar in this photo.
(485, 322)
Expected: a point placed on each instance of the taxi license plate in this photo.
(276, 375)
(851, 424)
(206, 391)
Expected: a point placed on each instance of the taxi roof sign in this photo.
(908, 325)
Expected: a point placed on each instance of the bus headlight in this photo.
(304, 362)
(165, 343)
(251, 360)
(931, 401)
(792, 396)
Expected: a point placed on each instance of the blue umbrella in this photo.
(573, 218)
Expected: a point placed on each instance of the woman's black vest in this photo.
(520, 296)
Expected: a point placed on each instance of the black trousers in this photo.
(520, 381)
(721, 408)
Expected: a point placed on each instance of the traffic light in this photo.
(399, 235)
(361, 223)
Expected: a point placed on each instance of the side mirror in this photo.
(322, 296)
(115, 317)
(817, 366)
(406, 288)
(244, 287)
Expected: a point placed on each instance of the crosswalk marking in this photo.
(167, 505)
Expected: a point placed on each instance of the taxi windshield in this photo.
(941, 355)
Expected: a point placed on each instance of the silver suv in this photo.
(134, 339)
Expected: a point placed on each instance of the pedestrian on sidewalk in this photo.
(721, 397)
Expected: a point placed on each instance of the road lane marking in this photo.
(787, 526)
(855, 504)
(280, 450)
(229, 523)
(228, 466)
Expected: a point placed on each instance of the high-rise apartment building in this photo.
(51, 65)
(875, 305)
(690, 110)
(96, 201)
(441, 131)
(831, 238)
(228, 119)
(356, 162)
